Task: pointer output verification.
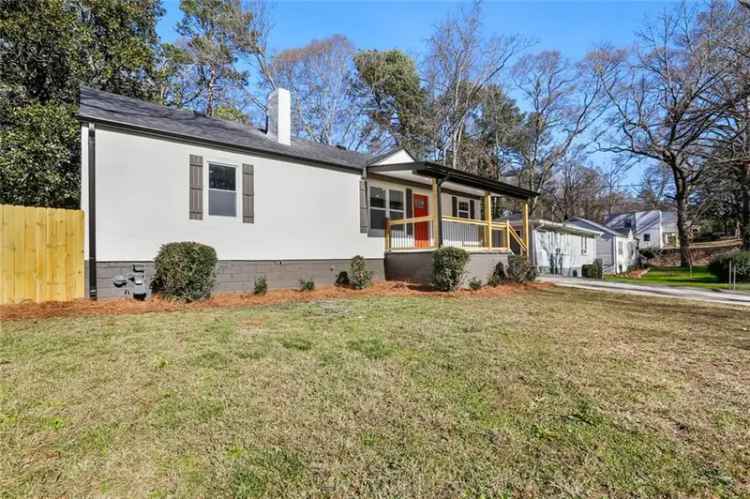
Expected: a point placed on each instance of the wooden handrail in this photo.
(469, 221)
(518, 240)
(413, 220)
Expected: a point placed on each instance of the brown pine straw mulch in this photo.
(120, 306)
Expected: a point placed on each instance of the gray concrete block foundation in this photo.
(237, 275)
(416, 266)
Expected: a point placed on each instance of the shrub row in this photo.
(187, 271)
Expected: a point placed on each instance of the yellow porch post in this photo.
(488, 220)
(387, 235)
(434, 212)
(526, 227)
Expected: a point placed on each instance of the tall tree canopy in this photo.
(50, 48)
(394, 99)
(216, 34)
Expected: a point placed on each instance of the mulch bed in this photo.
(120, 306)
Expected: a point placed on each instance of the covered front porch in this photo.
(451, 208)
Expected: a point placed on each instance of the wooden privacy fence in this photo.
(41, 254)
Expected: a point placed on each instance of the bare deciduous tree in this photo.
(729, 154)
(459, 64)
(325, 106)
(564, 100)
(662, 106)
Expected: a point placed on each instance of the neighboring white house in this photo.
(618, 251)
(269, 203)
(561, 248)
(654, 228)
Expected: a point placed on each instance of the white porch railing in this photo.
(472, 235)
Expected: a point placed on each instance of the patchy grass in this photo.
(554, 392)
(700, 277)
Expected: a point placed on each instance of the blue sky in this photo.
(573, 27)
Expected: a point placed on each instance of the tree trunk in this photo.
(745, 210)
(210, 92)
(682, 230)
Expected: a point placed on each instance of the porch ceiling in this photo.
(418, 171)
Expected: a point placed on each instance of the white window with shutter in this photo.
(222, 190)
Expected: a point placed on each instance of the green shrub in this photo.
(594, 270)
(448, 268)
(184, 271)
(360, 277)
(306, 284)
(261, 285)
(648, 253)
(342, 280)
(719, 265)
(498, 275)
(520, 270)
(475, 284)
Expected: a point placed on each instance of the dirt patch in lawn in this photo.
(119, 306)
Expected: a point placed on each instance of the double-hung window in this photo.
(222, 190)
(385, 203)
(463, 208)
(584, 245)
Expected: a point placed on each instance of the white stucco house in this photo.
(561, 248)
(655, 229)
(617, 250)
(269, 203)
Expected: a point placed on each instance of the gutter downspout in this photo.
(92, 211)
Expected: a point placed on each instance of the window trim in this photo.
(237, 190)
(584, 245)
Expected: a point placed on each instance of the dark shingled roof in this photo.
(115, 109)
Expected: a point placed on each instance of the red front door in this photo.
(421, 229)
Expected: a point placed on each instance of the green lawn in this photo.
(677, 276)
(551, 392)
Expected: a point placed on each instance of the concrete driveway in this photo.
(725, 297)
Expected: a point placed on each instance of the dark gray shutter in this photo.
(409, 211)
(471, 209)
(454, 206)
(196, 187)
(364, 215)
(248, 194)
